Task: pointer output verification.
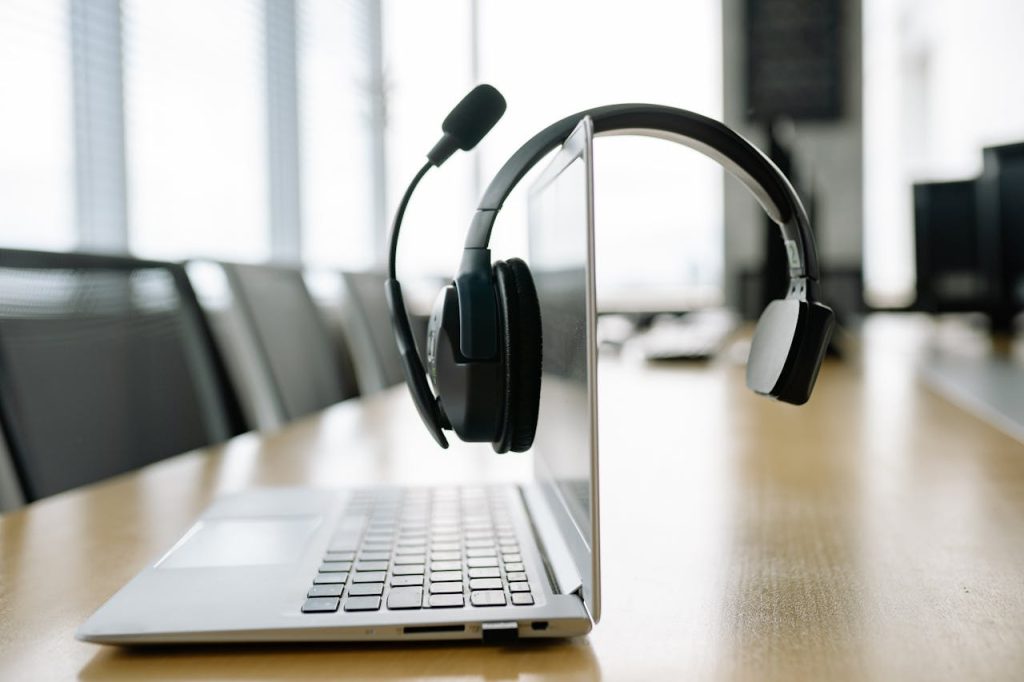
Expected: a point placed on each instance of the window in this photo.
(36, 150)
(428, 68)
(334, 87)
(196, 128)
(374, 79)
(581, 55)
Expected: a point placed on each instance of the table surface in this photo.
(877, 532)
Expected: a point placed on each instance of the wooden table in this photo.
(877, 532)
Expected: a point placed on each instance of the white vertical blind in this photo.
(196, 127)
(334, 123)
(427, 68)
(100, 190)
(36, 150)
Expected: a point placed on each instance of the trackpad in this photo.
(242, 542)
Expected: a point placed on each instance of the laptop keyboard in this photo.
(398, 549)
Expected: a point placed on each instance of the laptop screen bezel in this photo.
(583, 547)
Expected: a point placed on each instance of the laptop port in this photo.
(504, 632)
(425, 629)
(539, 625)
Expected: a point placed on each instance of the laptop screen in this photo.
(561, 236)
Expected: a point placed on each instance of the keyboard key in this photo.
(487, 598)
(321, 605)
(376, 548)
(405, 598)
(445, 576)
(445, 588)
(366, 589)
(519, 587)
(476, 553)
(340, 556)
(522, 599)
(371, 565)
(411, 550)
(330, 579)
(406, 580)
(447, 566)
(443, 601)
(412, 536)
(509, 548)
(479, 544)
(512, 558)
(369, 577)
(445, 556)
(408, 559)
(485, 584)
(445, 547)
(336, 567)
(479, 535)
(519, 577)
(362, 603)
(513, 568)
(415, 569)
(325, 591)
(484, 573)
(412, 527)
(482, 562)
(374, 556)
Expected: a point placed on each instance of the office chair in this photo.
(106, 365)
(373, 342)
(298, 363)
(11, 495)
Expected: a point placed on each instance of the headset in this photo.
(484, 345)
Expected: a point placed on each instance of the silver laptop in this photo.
(490, 563)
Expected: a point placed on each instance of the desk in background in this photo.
(877, 532)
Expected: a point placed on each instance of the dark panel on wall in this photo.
(950, 272)
(794, 59)
(1001, 222)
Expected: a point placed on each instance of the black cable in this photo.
(399, 214)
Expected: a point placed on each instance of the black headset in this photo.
(484, 345)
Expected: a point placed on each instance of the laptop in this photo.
(494, 563)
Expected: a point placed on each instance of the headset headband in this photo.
(470, 337)
(755, 170)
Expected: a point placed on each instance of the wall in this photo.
(831, 153)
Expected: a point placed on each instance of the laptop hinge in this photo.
(558, 560)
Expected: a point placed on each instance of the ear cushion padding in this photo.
(521, 348)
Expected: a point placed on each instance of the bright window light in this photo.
(36, 149)
(196, 129)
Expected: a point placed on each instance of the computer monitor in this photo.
(951, 276)
(1001, 222)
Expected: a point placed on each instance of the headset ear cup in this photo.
(522, 351)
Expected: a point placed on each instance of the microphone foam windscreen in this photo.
(474, 116)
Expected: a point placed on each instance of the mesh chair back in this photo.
(375, 342)
(307, 371)
(106, 365)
